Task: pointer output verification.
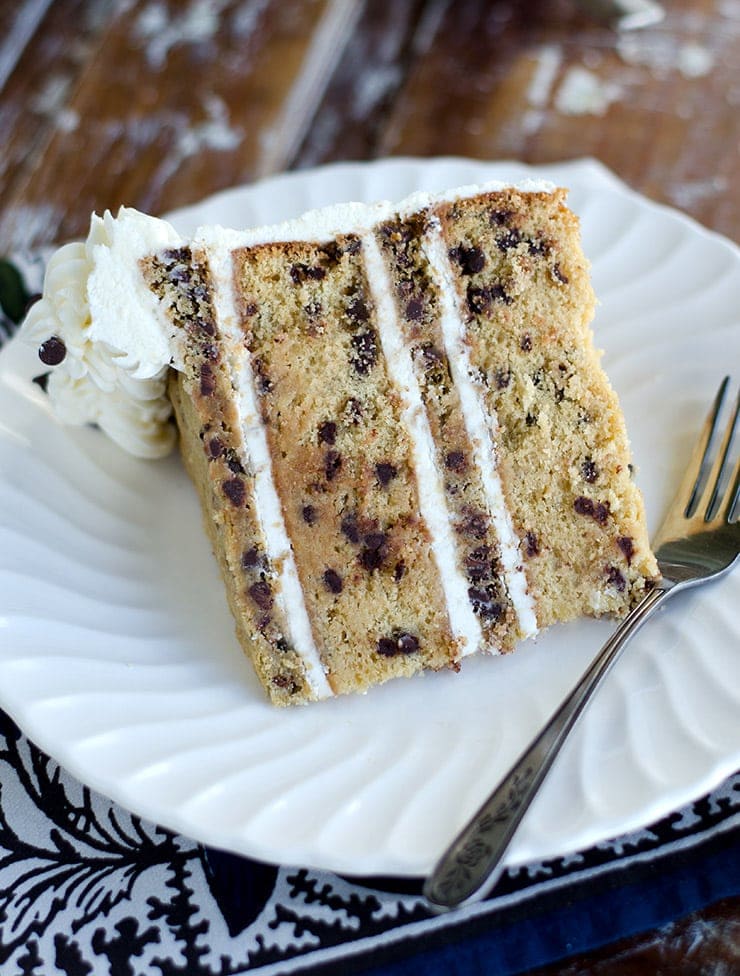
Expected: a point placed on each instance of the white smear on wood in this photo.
(28, 17)
(23, 225)
(547, 64)
(692, 192)
(663, 54)
(215, 132)
(196, 24)
(584, 93)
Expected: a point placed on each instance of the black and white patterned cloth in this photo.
(87, 888)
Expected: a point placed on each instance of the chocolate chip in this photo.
(53, 351)
(215, 448)
(327, 432)
(371, 559)
(365, 354)
(261, 594)
(207, 380)
(583, 505)
(589, 470)
(400, 643)
(357, 310)
(414, 310)
(353, 410)
(264, 383)
(512, 238)
(300, 272)
(250, 558)
(480, 299)
(525, 343)
(233, 461)
(332, 464)
(475, 524)
(502, 378)
(250, 309)
(234, 491)
(205, 325)
(309, 514)
(456, 461)
(483, 604)
(478, 563)
(530, 420)
(385, 472)
(558, 275)
(601, 512)
(531, 545)
(471, 259)
(500, 217)
(399, 571)
(627, 546)
(375, 540)
(333, 580)
(313, 309)
(615, 578)
(349, 528)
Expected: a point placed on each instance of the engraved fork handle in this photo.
(471, 865)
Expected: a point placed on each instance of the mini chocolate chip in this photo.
(615, 578)
(601, 512)
(589, 470)
(432, 355)
(206, 325)
(174, 254)
(385, 472)
(350, 529)
(250, 558)
(207, 380)
(210, 351)
(357, 310)
(375, 540)
(400, 643)
(627, 546)
(333, 580)
(480, 299)
(475, 525)
(250, 309)
(525, 343)
(265, 383)
(558, 275)
(180, 274)
(583, 505)
(365, 352)
(332, 464)
(414, 310)
(233, 462)
(407, 643)
(478, 564)
(483, 605)
(502, 378)
(327, 432)
(399, 571)
(300, 272)
(261, 594)
(353, 409)
(456, 461)
(531, 545)
(500, 217)
(530, 420)
(471, 259)
(215, 448)
(309, 514)
(234, 491)
(512, 238)
(371, 559)
(53, 351)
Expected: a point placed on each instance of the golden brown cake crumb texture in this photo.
(342, 463)
(523, 284)
(477, 548)
(215, 458)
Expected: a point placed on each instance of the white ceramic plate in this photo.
(117, 652)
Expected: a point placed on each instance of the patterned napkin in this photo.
(88, 888)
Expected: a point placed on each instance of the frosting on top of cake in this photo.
(113, 345)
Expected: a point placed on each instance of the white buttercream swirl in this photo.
(118, 347)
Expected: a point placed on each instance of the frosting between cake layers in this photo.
(481, 428)
(269, 513)
(116, 344)
(464, 623)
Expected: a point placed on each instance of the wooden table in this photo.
(157, 105)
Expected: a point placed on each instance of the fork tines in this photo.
(713, 464)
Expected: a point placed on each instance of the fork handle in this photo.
(471, 865)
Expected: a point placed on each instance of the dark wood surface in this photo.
(159, 105)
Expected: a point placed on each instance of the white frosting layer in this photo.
(118, 345)
(480, 426)
(288, 594)
(465, 625)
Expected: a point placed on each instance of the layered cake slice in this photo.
(405, 447)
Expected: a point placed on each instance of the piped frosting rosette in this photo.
(108, 356)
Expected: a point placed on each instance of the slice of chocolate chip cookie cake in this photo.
(405, 447)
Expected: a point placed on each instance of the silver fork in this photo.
(698, 541)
